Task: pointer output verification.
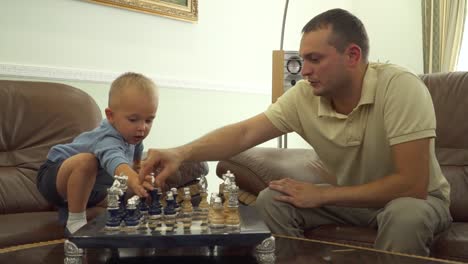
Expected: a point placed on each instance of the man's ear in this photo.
(354, 54)
(109, 114)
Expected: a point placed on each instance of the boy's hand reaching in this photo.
(138, 186)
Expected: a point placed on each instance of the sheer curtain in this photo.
(463, 58)
(443, 25)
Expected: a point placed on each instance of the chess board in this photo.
(252, 231)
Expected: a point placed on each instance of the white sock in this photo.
(76, 221)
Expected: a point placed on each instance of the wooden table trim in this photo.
(369, 249)
(31, 245)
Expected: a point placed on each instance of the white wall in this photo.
(394, 29)
(212, 73)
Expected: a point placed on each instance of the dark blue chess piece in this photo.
(113, 218)
(155, 207)
(132, 217)
(122, 207)
(176, 204)
(170, 207)
(142, 206)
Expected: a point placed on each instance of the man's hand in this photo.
(166, 162)
(300, 194)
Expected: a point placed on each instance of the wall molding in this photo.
(84, 75)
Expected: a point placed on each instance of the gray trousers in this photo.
(406, 225)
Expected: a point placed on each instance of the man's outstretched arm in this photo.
(218, 144)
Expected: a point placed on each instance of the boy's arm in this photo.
(137, 158)
(136, 165)
(137, 186)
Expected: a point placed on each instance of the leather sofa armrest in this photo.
(256, 167)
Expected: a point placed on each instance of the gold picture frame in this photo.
(186, 10)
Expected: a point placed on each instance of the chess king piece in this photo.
(169, 212)
(232, 217)
(132, 219)
(217, 218)
(187, 209)
(113, 195)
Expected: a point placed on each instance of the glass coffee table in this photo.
(288, 250)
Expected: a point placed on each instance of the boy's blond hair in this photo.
(134, 80)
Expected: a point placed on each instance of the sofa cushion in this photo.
(453, 243)
(255, 167)
(35, 116)
(25, 228)
(449, 92)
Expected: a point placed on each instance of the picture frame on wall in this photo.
(186, 10)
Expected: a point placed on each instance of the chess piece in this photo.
(227, 192)
(155, 208)
(232, 217)
(212, 201)
(217, 218)
(113, 195)
(131, 219)
(122, 179)
(226, 182)
(175, 194)
(187, 209)
(143, 210)
(169, 212)
(203, 207)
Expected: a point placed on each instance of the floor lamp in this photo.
(286, 71)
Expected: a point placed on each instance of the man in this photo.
(373, 127)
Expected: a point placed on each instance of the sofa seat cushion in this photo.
(25, 228)
(452, 244)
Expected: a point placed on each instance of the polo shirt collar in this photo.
(367, 96)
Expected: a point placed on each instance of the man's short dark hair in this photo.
(346, 28)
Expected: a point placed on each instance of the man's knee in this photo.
(278, 216)
(401, 217)
(406, 213)
(265, 199)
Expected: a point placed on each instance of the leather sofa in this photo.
(35, 116)
(255, 167)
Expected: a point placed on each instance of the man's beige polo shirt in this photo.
(395, 107)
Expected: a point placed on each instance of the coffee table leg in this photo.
(265, 252)
(73, 254)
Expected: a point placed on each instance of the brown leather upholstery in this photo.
(35, 116)
(255, 167)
